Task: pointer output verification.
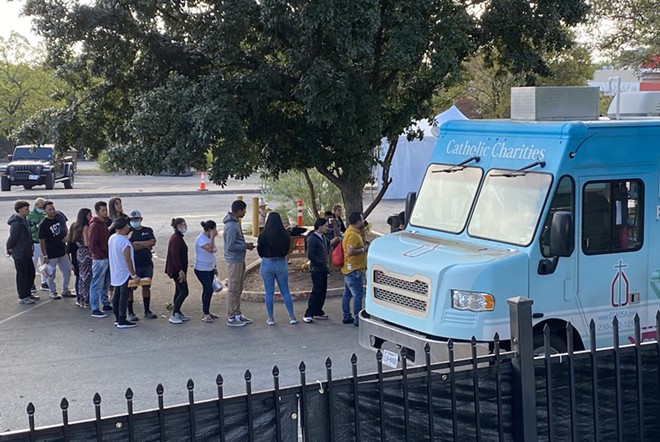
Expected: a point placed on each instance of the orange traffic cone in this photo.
(202, 184)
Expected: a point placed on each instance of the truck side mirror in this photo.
(411, 198)
(561, 234)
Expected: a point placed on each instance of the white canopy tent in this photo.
(412, 157)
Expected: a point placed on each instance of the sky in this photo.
(10, 20)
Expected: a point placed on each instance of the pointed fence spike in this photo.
(301, 367)
(160, 389)
(379, 356)
(219, 380)
(129, 394)
(353, 359)
(64, 404)
(248, 375)
(276, 371)
(30, 409)
(190, 385)
(97, 399)
(328, 362)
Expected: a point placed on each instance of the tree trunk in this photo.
(312, 194)
(352, 194)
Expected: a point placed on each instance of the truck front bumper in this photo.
(376, 334)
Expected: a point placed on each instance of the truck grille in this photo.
(411, 294)
(416, 286)
(398, 299)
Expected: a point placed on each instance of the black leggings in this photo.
(180, 294)
(206, 279)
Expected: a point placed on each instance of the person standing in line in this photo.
(115, 211)
(318, 247)
(143, 241)
(355, 265)
(234, 251)
(79, 236)
(205, 268)
(176, 267)
(334, 233)
(52, 235)
(34, 218)
(337, 211)
(98, 247)
(19, 247)
(122, 270)
(273, 247)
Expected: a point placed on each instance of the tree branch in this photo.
(387, 180)
(312, 192)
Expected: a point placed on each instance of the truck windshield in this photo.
(29, 153)
(446, 197)
(509, 206)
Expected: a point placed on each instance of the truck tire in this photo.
(68, 184)
(6, 186)
(557, 344)
(50, 181)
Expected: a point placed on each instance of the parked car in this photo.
(31, 166)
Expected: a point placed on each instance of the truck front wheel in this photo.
(557, 344)
(50, 181)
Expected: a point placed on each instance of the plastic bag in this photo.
(217, 284)
(337, 256)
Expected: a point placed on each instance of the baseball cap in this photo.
(135, 214)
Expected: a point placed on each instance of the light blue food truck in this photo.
(555, 204)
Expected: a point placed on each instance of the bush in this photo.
(284, 191)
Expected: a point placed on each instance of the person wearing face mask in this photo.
(34, 218)
(143, 241)
(176, 267)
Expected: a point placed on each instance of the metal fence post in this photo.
(524, 389)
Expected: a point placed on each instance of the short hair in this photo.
(354, 217)
(18, 205)
(98, 205)
(121, 222)
(48, 203)
(329, 213)
(39, 202)
(208, 225)
(335, 207)
(238, 205)
(320, 222)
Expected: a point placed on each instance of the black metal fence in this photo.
(607, 394)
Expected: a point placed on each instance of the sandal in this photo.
(213, 315)
(207, 319)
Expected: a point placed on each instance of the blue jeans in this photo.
(206, 279)
(98, 290)
(273, 269)
(353, 287)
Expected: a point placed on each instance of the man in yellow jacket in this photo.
(354, 268)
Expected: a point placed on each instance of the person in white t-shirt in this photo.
(205, 270)
(122, 270)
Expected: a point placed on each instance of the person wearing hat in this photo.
(143, 241)
(122, 270)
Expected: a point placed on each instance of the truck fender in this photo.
(558, 330)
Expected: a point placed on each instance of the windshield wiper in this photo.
(521, 171)
(459, 166)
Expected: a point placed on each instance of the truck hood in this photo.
(28, 162)
(411, 276)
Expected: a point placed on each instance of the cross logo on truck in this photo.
(620, 286)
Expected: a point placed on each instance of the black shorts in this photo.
(145, 272)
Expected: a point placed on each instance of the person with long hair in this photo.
(115, 211)
(81, 258)
(273, 246)
(176, 267)
(205, 269)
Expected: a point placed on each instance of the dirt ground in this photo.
(299, 278)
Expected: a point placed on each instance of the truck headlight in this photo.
(473, 301)
(12, 169)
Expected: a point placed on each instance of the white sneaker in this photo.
(270, 321)
(175, 319)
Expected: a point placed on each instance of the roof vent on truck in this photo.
(635, 105)
(554, 103)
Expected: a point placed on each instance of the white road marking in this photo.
(37, 305)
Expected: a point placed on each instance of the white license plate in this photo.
(390, 358)
(33, 177)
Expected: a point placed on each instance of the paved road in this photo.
(54, 349)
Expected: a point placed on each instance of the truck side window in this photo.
(564, 200)
(612, 216)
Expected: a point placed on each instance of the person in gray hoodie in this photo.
(235, 247)
(19, 247)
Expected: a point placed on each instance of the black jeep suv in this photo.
(33, 166)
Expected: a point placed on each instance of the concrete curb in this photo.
(102, 195)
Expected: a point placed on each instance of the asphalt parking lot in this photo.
(54, 349)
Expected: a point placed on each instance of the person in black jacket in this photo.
(19, 246)
(273, 246)
(318, 248)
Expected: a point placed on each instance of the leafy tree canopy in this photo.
(280, 84)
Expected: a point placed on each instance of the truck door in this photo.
(612, 257)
